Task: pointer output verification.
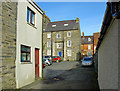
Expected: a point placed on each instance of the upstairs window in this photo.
(25, 53)
(89, 46)
(48, 35)
(69, 43)
(58, 35)
(89, 39)
(30, 16)
(69, 34)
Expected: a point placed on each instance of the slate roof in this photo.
(85, 40)
(72, 25)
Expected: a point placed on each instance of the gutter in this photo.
(112, 12)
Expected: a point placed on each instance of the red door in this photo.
(37, 62)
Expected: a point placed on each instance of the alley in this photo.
(66, 75)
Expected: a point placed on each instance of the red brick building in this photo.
(86, 46)
(95, 37)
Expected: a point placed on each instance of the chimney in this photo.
(83, 34)
(77, 20)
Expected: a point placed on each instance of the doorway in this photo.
(36, 62)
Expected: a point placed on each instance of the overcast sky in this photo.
(90, 14)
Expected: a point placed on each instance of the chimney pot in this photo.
(83, 34)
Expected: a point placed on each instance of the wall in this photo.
(29, 36)
(9, 16)
(108, 58)
(95, 37)
(0, 45)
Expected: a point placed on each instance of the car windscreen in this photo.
(87, 59)
(46, 56)
(55, 57)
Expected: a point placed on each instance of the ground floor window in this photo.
(69, 52)
(25, 53)
(48, 52)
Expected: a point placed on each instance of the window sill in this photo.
(26, 62)
(31, 25)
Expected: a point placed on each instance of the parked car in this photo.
(87, 61)
(56, 59)
(47, 57)
(47, 61)
(43, 65)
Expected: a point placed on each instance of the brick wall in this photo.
(95, 37)
(9, 15)
(85, 49)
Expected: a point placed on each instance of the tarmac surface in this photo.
(66, 75)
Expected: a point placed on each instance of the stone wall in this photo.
(0, 45)
(9, 14)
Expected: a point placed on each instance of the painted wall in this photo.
(108, 58)
(29, 36)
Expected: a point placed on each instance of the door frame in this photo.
(38, 63)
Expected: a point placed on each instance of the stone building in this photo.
(63, 38)
(86, 45)
(21, 43)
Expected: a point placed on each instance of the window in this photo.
(53, 25)
(69, 34)
(48, 35)
(69, 52)
(69, 43)
(48, 52)
(30, 16)
(25, 53)
(89, 46)
(65, 25)
(89, 39)
(58, 35)
(48, 43)
(59, 45)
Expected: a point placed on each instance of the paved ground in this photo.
(66, 75)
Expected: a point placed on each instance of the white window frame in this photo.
(68, 34)
(89, 46)
(59, 46)
(48, 35)
(65, 25)
(48, 52)
(53, 25)
(58, 35)
(89, 39)
(69, 52)
(49, 44)
(69, 41)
